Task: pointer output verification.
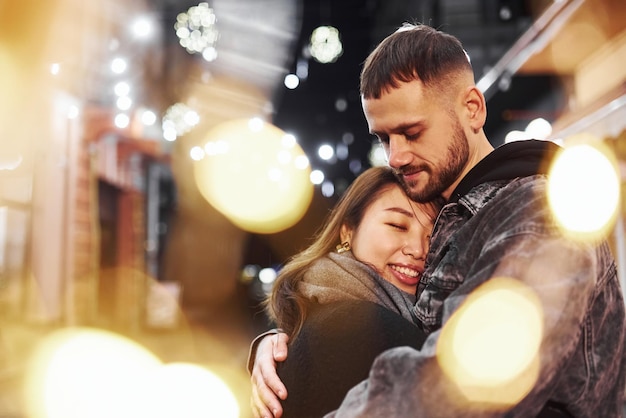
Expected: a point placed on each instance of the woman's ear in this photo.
(476, 107)
(345, 233)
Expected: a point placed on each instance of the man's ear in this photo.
(345, 233)
(476, 108)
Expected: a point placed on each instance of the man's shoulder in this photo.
(519, 191)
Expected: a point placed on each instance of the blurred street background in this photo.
(161, 159)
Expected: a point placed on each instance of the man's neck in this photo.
(482, 147)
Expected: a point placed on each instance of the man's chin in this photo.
(421, 194)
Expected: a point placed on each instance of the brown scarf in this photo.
(340, 277)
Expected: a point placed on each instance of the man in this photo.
(420, 100)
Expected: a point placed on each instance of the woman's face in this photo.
(393, 238)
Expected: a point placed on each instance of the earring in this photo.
(343, 247)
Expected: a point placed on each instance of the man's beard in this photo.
(439, 181)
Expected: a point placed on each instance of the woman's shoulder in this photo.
(334, 328)
(352, 316)
(335, 350)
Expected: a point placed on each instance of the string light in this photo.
(325, 44)
(197, 32)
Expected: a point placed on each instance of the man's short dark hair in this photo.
(412, 52)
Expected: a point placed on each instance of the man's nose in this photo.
(398, 151)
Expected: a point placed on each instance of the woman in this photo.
(357, 300)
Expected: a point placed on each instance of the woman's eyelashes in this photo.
(397, 226)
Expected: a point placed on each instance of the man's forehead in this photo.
(395, 115)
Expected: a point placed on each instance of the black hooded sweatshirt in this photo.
(509, 161)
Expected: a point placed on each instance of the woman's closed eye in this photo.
(397, 226)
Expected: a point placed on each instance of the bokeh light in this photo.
(515, 135)
(189, 391)
(124, 103)
(196, 153)
(93, 373)
(148, 117)
(267, 275)
(291, 81)
(197, 30)
(82, 372)
(247, 176)
(55, 68)
(377, 156)
(584, 189)
(73, 112)
(489, 347)
(328, 188)
(121, 120)
(325, 44)
(539, 128)
(118, 65)
(317, 177)
(122, 88)
(142, 27)
(325, 152)
(178, 120)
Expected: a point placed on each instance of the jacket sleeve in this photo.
(255, 343)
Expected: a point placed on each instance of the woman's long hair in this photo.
(285, 305)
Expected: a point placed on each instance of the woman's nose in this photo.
(415, 250)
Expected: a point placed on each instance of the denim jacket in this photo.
(503, 228)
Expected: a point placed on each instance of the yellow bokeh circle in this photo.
(584, 188)
(92, 373)
(255, 174)
(191, 391)
(489, 347)
(87, 372)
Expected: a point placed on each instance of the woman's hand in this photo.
(267, 387)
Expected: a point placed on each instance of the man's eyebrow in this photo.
(402, 127)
